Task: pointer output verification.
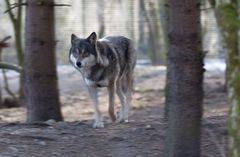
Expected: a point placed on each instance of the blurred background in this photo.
(144, 21)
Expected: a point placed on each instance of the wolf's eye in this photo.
(85, 54)
(75, 53)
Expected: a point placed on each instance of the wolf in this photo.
(108, 62)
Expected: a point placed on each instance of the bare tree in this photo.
(100, 15)
(185, 80)
(151, 36)
(16, 20)
(227, 17)
(39, 67)
(163, 20)
(130, 19)
(84, 5)
(155, 47)
(227, 13)
(142, 45)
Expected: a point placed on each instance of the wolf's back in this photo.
(125, 51)
(127, 60)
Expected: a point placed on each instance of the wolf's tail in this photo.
(131, 63)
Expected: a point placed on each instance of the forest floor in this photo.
(143, 136)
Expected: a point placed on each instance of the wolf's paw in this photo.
(121, 120)
(122, 117)
(98, 124)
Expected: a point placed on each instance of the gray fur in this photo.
(108, 62)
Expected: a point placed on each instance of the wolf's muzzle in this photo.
(79, 64)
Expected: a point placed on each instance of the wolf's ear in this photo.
(73, 37)
(92, 38)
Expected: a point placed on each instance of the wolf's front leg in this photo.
(98, 117)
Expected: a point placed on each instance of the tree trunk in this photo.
(1, 96)
(185, 80)
(227, 18)
(84, 5)
(227, 13)
(233, 77)
(40, 68)
(100, 13)
(157, 51)
(163, 26)
(141, 28)
(20, 56)
(130, 19)
(1, 100)
(153, 34)
(234, 98)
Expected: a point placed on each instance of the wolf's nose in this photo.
(79, 64)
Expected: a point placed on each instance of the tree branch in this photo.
(62, 5)
(3, 44)
(5, 39)
(7, 86)
(4, 65)
(19, 13)
(10, 11)
(206, 9)
(12, 6)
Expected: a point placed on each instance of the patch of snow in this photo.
(215, 65)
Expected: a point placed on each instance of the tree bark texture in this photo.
(39, 66)
(184, 80)
(228, 21)
(1, 100)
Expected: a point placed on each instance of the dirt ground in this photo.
(143, 136)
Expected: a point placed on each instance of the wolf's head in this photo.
(83, 52)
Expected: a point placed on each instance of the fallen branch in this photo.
(5, 39)
(4, 65)
(2, 42)
(7, 85)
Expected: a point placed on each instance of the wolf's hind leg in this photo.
(98, 117)
(111, 97)
(122, 94)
